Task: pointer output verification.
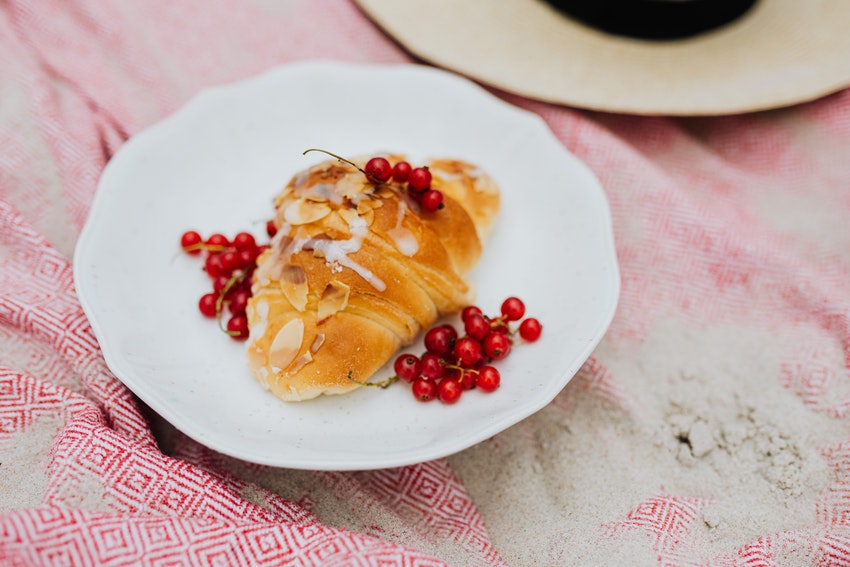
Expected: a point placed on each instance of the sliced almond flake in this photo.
(283, 195)
(347, 187)
(293, 284)
(334, 299)
(350, 216)
(304, 211)
(318, 341)
(366, 205)
(322, 192)
(335, 223)
(286, 344)
(301, 362)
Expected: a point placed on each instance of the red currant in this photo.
(449, 391)
(466, 379)
(530, 329)
(230, 265)
(220, 282)
(271, 229)
(497, 345)
(247, 257)
(440, 340)
(424, 390)
(468, 351)
(431, 200)
(431, 366)
(230, 261)
(468, 311)
(488, 378)
(513, 309)
(419, 179)
(191, 242)
(378, 169)
(244, 240)
(237, 327)
(213, 266)
(401, 171)
(477, 326)
(241, 284)
(207, 304)
(217, 241)
(406, 367)
(453, 373)
(239, 301)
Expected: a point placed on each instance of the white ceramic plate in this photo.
(216, 165)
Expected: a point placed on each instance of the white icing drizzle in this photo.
(336, 252)
(404, 240)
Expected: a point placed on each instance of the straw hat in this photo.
(776, 53)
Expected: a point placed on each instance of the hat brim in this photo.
(779, 53)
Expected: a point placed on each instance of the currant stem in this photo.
(383, 384)
(502, 321)
(348, 161)
(462, 369)
(204, 246)
(199, 246)
(219, 302)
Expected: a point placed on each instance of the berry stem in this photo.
(462, 368)
(383, 384)
(219, 303)
(200, 246)
(204, 246)
(348, 161)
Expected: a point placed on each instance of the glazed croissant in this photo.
(357, 269)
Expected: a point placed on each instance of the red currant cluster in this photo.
(453, 363)
(230, 265)
(418, 180)
(415, 180)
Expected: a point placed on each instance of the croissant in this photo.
(357, 270)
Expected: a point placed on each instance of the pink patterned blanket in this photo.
(709, 428)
